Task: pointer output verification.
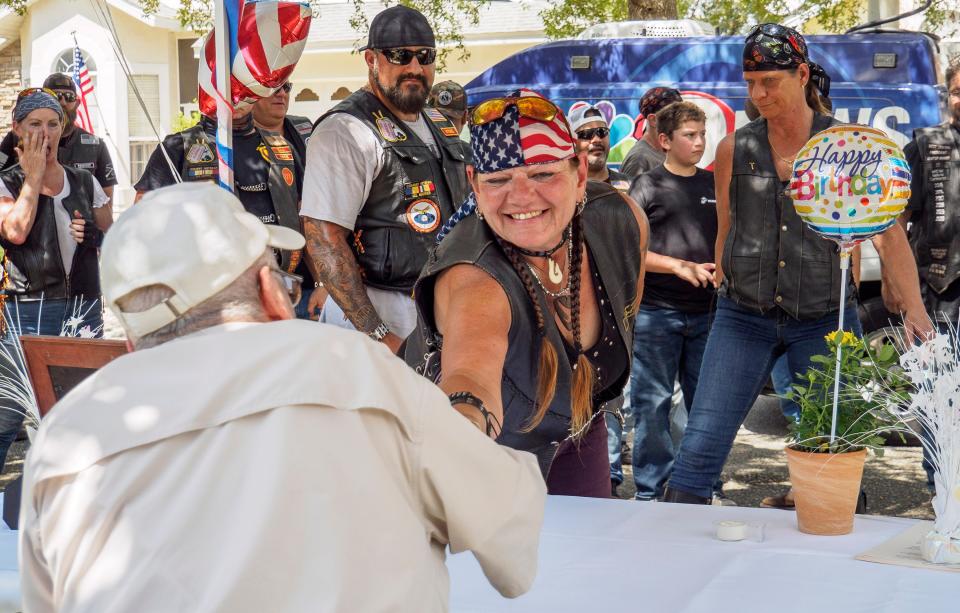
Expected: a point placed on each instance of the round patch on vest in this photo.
(423, 215)
(287, 176)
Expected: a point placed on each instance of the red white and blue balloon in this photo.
(850, 183)
(269, 40)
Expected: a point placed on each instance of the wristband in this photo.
(492, 425)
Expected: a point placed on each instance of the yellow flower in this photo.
(848, 339)
(830, 337)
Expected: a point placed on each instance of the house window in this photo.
(64, 64)
(143, 139)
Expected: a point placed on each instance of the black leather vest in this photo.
(771, 258)
(936, 235)
(35, 268)
(297, 130)
(200, 164)
(82, 152)
(613, 241)
(412, 197)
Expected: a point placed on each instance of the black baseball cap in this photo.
(399, 26)
(58, 80)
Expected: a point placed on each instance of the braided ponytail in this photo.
(581, 389)
(547, 363)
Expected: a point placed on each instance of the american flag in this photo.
(515, 141)
(81, 78)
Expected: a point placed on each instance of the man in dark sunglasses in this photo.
(78, 148)
(384, 173)
(593, 137)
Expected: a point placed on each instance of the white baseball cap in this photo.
(583, 115)
(195, 238)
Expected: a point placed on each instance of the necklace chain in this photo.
(788, 162)
(563, 291)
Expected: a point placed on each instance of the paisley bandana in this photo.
(657, 98)
(770, 46)
(514, 140)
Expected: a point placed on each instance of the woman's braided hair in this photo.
(581, 392)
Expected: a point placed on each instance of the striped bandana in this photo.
(513, 141)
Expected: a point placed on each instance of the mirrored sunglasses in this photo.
(531, 107)
(36, 90)
(66, 96)
(591, 132)
(402, 57)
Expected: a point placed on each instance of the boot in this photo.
(674, 495)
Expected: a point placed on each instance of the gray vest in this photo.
(936, 235)
(771, 258)
(412, 197)
(613, 241)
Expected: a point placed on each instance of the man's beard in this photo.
(70, 116)
(596, 161)
(405, 101)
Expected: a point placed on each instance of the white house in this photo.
(161, 58)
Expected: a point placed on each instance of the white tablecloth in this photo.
(624, 556)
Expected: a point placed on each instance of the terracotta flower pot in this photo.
(825, 489)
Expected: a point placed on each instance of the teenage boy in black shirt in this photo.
(673, 322)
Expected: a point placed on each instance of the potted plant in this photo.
(825, 470)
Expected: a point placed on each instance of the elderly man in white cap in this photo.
(242, 460)
(593, 137)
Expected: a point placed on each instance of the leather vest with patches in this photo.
(771, 258)
(200, 164)
(613, 242)
(83, 152)
(936, 236)
(35, 268)
(410, 199)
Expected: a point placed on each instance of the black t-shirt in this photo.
(682, 212)
(102, 168)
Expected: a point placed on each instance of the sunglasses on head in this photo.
(770, 29)
(293, 284)
(591, 132)
(36, 90)
(402, 57)
(531, 107)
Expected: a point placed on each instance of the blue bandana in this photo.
(34, 101)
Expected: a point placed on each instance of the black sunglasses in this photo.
(590, 133)
(402, 57)
(287, 87)
(66, 96)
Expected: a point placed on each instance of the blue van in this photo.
(888, 80)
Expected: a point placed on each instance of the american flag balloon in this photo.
(268, 42)
(514, 140)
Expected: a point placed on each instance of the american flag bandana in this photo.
(513, 141)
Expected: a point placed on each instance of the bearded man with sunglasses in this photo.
(779, 281)
(593, 138)
(77, 149)
(384, 172)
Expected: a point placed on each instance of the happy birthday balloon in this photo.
(271, 37)
(850, 183)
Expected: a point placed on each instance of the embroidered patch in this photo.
(199, 152)
(423, 215)
(434, 115)
(620, 185)
(263, 152)
(287, 176)
(389, 130)
(256, 187)
(450, 131)
(418, 190)
(283, 153)
(88, 139)
(85, 165)
(201, 172)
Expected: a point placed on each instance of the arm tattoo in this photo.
(332, 262)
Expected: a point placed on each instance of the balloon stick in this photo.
(844, 271)
(221, 33)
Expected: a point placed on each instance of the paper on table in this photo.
(904, 550)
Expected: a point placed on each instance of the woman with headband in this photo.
(526, 308)
(49, 235)
(779, 281)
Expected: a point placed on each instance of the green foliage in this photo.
(869, 383)
(567, 18)
(181, 122)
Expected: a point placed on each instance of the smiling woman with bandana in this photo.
(779, 282)
(532, 298)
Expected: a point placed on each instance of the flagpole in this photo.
(221, 41)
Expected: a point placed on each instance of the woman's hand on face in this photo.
(33, 153)
(77, 226)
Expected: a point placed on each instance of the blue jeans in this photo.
(740, 353)
(782, 378)
(301, 309)
(615, 435)
(32, 317)
(667, 344)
